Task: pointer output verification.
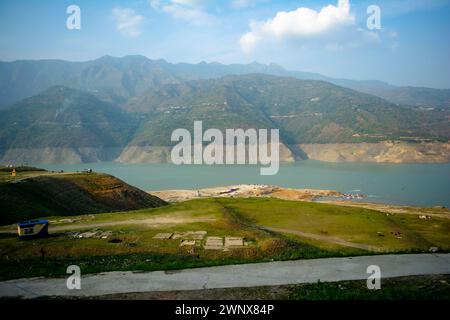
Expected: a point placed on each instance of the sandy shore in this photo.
(245, 191)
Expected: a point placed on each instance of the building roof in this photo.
(31, 223)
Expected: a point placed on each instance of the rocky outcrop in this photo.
(161, 154)
(64, 155)
(145, 154)
(382, 152)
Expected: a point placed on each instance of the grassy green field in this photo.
(398, 232)
(135, 248)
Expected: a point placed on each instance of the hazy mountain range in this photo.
(119, 79)
(126, 108)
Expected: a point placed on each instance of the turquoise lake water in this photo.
(405, 184)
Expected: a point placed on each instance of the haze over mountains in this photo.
(118, 79)
(61, 117)
(125, 109)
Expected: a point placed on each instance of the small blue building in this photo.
(32, 229)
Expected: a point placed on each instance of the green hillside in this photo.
(63, 125)
(305, 111)
(65, 118)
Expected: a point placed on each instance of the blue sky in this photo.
(328, 37)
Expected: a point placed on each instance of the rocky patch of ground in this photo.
(245, 191)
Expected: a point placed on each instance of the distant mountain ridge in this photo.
(65, 125)
(118, 80)
(306, 111)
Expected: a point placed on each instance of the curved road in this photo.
(246, 275)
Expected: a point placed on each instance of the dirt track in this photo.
(330, 239)
(150, 222)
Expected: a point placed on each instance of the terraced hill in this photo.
(305, 111)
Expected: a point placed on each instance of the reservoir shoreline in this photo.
(422, 185)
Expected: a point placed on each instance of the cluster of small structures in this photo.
(239, 190)
(351, 196)
(195, 239)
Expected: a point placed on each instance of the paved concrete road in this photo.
(247, 275)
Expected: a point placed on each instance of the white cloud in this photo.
(300, 24)
(190, 11)
(128, 22)
(190, 15)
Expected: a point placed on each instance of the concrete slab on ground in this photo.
(234, 242)
(214, 243)
(163, 236)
